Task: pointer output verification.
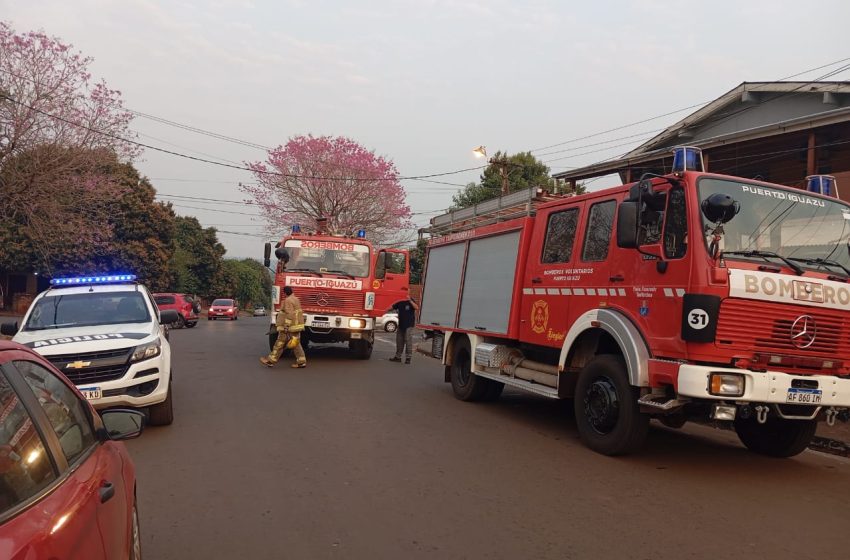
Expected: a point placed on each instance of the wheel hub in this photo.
(602, 405)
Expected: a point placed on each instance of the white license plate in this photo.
(92, 393)
(321, 324)
(355, 335)
(804, 396)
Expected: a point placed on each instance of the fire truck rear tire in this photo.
(607, 413)
(777, 437)
(466, 385)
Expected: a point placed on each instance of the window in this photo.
(395, 263)
(597, 238)
(676, 225)
(223, 303)
(560, 234)
(164, 300)
(63, 408)
(25, 467)
(58, 309)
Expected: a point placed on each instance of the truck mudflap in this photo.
(771, 387)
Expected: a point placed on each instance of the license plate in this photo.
(92, 393)
(321, 324)
(804, 396)
(355, 335)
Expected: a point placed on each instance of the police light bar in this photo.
(822, 184)
(84, 280)
(687, 158)
(361, 233)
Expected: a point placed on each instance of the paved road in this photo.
(352, 459)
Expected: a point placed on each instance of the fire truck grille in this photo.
(766, 327)
(326, 301)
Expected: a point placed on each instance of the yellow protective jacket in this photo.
(290, 317)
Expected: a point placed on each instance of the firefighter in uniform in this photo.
(290, 324)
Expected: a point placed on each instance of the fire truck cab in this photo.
(689, 296)
(343, 284)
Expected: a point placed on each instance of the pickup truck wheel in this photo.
(191, 324)
(466, 385)
(607, 413)
(181, 322)
(162, 414)
(777, 437)
(135, 536)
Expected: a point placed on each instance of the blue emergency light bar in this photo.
(84, 280)
(822, 184)
(296, 228)
(687, 158)
(361, 233)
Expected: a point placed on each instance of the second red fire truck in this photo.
(343, 283)
(688, 296)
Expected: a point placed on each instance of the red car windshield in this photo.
(223, 303)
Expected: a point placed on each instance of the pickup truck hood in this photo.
(86, 339)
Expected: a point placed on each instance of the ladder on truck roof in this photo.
(500, 209)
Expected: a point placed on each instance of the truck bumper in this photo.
(771, 387)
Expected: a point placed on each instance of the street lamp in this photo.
(501, 163)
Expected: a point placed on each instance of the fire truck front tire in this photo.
(777, 437)
(362, 349)
(466, 385)
(606, 408)
(272, 340)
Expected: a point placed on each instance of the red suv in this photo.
(186, 307)
(67, 486)
(223, 309)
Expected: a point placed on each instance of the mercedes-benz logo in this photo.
(803, 331)
(322, 299)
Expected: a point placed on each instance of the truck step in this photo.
(536, 388)
(659, 403)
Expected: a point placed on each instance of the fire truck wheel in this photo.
(362, 349)
(606, 409)
(466, 385)
(494, 391)
(162, 414)
(777, 437)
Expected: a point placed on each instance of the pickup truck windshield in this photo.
(61, 311)
(810, 230)
(324, 257)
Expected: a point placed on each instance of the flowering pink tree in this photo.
(57, 128)
(336, 178)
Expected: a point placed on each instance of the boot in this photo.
(266, 362)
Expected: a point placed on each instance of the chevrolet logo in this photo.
(79, 364)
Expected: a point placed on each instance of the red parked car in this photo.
(185, 306)
(67, 486)
(223, 309)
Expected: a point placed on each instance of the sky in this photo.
(420, 82)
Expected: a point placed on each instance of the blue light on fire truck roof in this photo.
(687, 158)
(296, 228)
(82, 280)
(822, 184)
(361, 233)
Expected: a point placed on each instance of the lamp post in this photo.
(501, 163)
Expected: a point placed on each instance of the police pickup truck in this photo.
(106, 334)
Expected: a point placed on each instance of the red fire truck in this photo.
(343, 284)
(688, 296)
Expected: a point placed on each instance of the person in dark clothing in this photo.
(404, 335)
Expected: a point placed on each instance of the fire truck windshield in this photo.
(811, 230)
(328, 257)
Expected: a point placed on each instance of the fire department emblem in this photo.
(322, 299)
(539, 316)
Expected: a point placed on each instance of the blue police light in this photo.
(83, 280)
(296, 228)
(822, 184)
(361, 233)
(687, 158)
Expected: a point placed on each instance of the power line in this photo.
(232, 166)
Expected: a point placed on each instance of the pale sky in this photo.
(420, 82)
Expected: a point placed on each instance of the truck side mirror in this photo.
(627, 225)
(720, 208)
(381, 265)
(267, 253)
(9, 329)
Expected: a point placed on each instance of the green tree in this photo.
(523, 171)
(246, 280)
(197, 258)
(417, 261)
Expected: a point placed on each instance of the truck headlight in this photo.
(726, 384)
(147, 351)
(357, 323)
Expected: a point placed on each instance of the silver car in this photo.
(259, 311)
(388, 321)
